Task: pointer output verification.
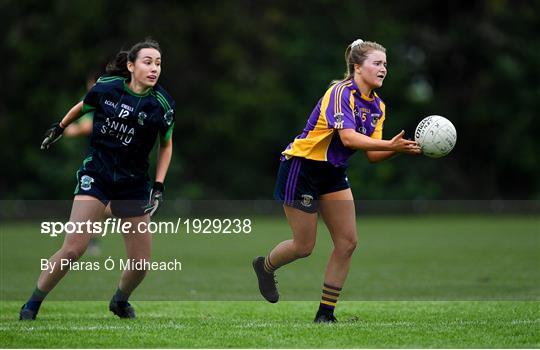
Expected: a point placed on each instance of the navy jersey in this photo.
(126, 125)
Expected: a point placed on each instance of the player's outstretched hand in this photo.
(401, 145)
(156, 197)
(52, 135)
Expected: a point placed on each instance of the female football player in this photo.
(130, 112)
(312, 175)
(82, 127)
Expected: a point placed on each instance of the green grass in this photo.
(431, 281)
(286, 324)
(398, 258)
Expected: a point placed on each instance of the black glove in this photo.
(156, 197)
(52, 135)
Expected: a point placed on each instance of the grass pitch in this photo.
(445, 282)
(286, 324)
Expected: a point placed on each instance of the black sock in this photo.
(36, 299)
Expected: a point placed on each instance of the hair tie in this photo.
(356, 42)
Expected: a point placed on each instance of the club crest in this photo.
(339, 121)
(375, 118)
(307, 200)
(141, 117)
(169, 116)
(86, 182)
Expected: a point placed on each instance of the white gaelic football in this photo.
(436, 136)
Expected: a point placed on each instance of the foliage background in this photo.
(247, 74)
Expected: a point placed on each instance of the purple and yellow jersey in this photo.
(343, 106)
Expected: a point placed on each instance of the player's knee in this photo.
(73, 253)
(346, 246)
(303, 250)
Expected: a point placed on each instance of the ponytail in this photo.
(349, 73)
(118, 66)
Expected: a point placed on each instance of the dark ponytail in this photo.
(118, 66)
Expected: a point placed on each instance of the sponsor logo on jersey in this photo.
(110, 103)
(86, 182)
(119, 130)
(125, 106)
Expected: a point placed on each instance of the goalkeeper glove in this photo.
(52, 135)
(156, 197)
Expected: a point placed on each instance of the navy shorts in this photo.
(300, 182)
(127, 198)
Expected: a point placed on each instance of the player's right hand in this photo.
(401, 145)
(52, 135)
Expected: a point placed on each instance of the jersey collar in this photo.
(133, 93)
(364, 97)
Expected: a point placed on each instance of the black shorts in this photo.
(128, 198)
(300, 182)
